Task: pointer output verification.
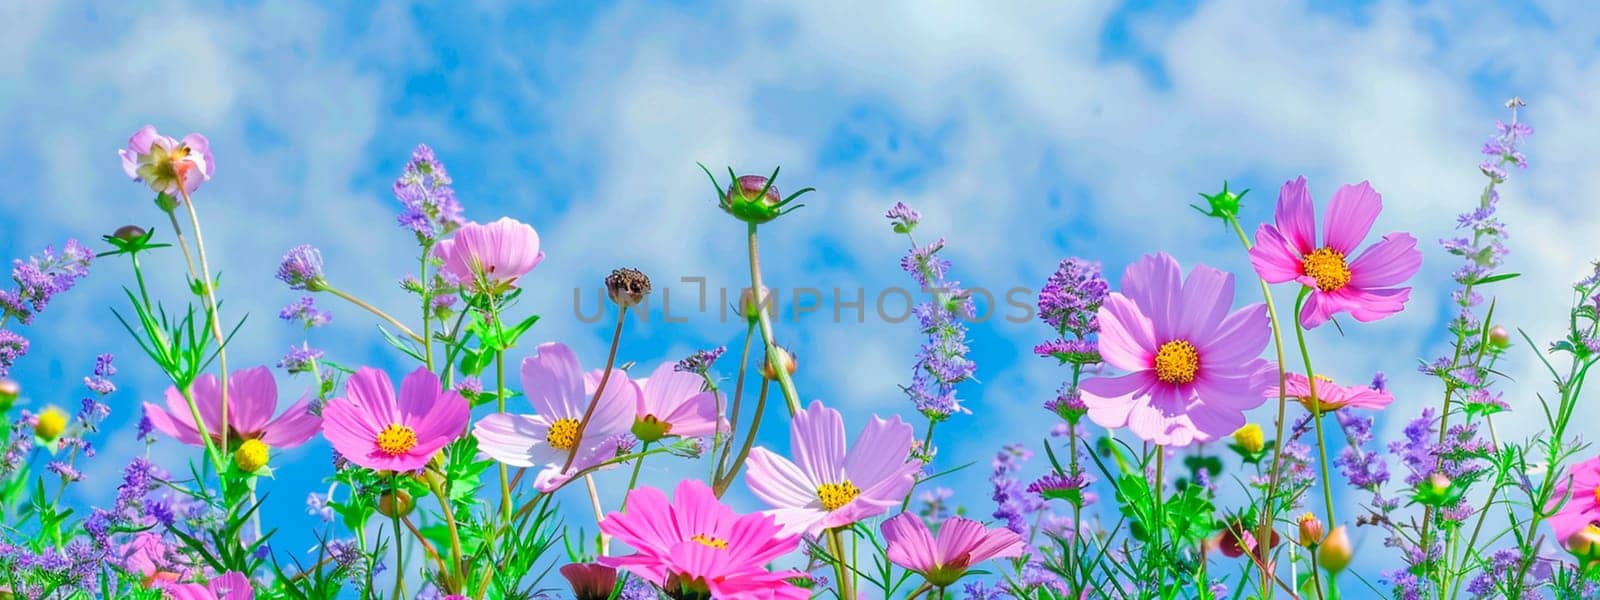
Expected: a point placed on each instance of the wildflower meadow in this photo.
(1202, 435)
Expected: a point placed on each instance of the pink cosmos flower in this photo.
(1582, 496)
(373, 428)
(1193, 366)
(554, 384)
(673, 402)
(490, 258)
(830, 486)
(1364, 286)
(252, 398)
(229, 586)
(695, 542)
(162, 162)
(150, 556)
(961, 544)
(1330, 395)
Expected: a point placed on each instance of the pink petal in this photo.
(370, 391)
(1296, 217)
(252, 398)
(910, 544)
(1155, 284)
(1127, 338)
(643, 525)
(177, 426)
(141, 140)
(1350, 216)
(1159, 427)
(1207, 296)
(293, 427)
(348, 430)
(1390, 262)
(880, 452)
(510, 439)
(957, 538)
(779, 482)
(1111, 398)
(553, 382)
(419, 391)
(1238, 338)
(667, 388)
(1273, 258)
(816, 440)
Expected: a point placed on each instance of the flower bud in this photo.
(1310, 530)
(1499, 337)
(128, 233)
(785, 358)
(1335, 552)
(590, 581)
(396, 503)
(627, 287)
(750, 307)
(1585, 543)
(251, 456)
(754, 199)
(1250, 438)
(1222, 205)
(650, 429)
(9, 391)
(50, 423)
(1438, 484)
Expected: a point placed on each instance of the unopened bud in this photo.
(50, 423)
(1438, 484)
(1310, 530)
(1585, 543)
(396, 503)
(10, 390)
(251, 456)
(1335, 552)
(650, 429)
(785, 358)
(627, 287)
(128, 233)
(750, 307)
(1250, 438)
(1499, 337)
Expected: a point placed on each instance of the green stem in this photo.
(211, 303)
(785, 382)
(605, 377)
(374, 310)
(399, 542)
(1316, 410)
(633, 479)
(738, 397)
(720, 486)
(427, 308)
(500, 406)
(841, 570)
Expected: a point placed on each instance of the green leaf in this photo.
(1495, 278)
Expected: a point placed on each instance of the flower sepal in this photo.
(753, 198)
(1221, 205)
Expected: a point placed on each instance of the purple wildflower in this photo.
(302, 269)
(1013, 504)
(41, 277)
(1072, 296)
(942, 361)
(300, 359)
(428, 204)
(700, 361)
(12, 347)
(903, 217)
(305, 311)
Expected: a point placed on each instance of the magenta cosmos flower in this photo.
(674, 403)
(1582, 495)
(162, 162)
(229, 586)
(1194, 368)
(961, 544)
(1364, 286)
(374, 428)
(490, 258)
(1330, 395)
(554, 384)
(826, 485)
(697, 543)
(252, 398)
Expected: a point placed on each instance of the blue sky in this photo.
(1023, 134)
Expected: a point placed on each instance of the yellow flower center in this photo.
(397, 439)
(836, 495)
(717, 543)
(563, 434)
(1177, 361)
(1327, 266)
(251, 455)
(52, 422)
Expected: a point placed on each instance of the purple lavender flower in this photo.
(942, 361)
(41, 277)
(700, 361)
(903, 217)
(305, 311)
(317, 506)
(100, 381)
(1072, 296)
(300, 359)
(428, 204)
(67, 472)
(1013, 504)
(12, 347)
(302, 269)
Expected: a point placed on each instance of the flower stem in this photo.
(738, 397)
(374, 310)
(1316, 410)
(453, 576)
(720, 486)
(500, 406)
(599, 513)
(633, 479)
(211, 303)
(785, 382)
(605, 377)
(399, 542)
(841, 570)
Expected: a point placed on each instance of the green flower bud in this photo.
(1223, 204)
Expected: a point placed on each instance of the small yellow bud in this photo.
(251, 456)
(784, 358)
(1334, 554)
(50, 423)
(1250, 437)
(1310, 530)
(1585, 544)
(396, 504)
